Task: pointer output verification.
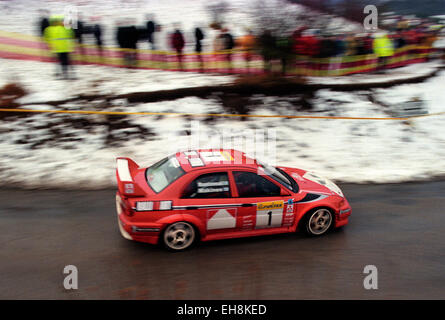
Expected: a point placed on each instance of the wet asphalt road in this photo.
(397, 228)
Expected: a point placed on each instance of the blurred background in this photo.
(296, 58)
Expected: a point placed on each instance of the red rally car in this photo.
(219, 194)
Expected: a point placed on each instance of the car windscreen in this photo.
(279, 176)
(162, 174)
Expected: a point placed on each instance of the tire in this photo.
(179, 236)
(318, 222)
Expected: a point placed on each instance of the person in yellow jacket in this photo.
(60, 41)
(383, 49)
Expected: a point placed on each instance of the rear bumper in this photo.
(142, 232)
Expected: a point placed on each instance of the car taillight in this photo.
(144, 206)
(154, 205)
(165, 205)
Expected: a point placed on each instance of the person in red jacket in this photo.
(177, 42)
(297, 40)
(307, 45)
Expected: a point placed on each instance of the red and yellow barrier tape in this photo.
(27, 47)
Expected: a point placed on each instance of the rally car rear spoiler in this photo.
(126, 170)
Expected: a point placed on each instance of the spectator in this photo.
(310, 44)
(268, 49)
(177, 42)
(383, 49)
(368, 41)
(127, 38)
(360, 45)
(328, 51)
(151, 29)
(247, 44)
(228, 45)
(340, 47)
(296, 39)
(43, 24)
(351, 46)
(97, 31)
(78, 33)
(199, 36)
(60, 41)
(284, 50)
(327, 47)
(399, 41)
(218, 42)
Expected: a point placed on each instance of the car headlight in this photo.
(324, 182)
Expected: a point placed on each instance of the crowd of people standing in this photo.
(302, 42)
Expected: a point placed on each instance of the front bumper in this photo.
(342, 215)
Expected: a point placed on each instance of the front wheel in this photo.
(318, 222)
(179, 236)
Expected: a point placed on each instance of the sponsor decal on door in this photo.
(269, 214)
(221, 218)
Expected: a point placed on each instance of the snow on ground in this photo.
(38, 78)
(79, 151)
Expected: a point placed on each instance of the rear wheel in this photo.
(179, 236)
(318, 221)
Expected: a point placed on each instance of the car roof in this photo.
(214, 158)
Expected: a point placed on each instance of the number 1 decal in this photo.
(270, 218)
(269, 214)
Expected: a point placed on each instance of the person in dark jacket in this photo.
(97, 32)
(43, 22)
(151, 29)
(42, 25)
(228, 45)
(327, 47)
(177, 42)
(78, 33)
(340, 47)
(284, 47)
(127, 38)
(268, 48)
(199, 36)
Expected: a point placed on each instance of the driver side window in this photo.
(250, 185)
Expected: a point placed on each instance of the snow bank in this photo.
(38, 78)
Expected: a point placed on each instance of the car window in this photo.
(250, 184)
(279, 175)
(208, 186)
(163, 173)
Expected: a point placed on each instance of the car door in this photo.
(264, 203)
(208, 196)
